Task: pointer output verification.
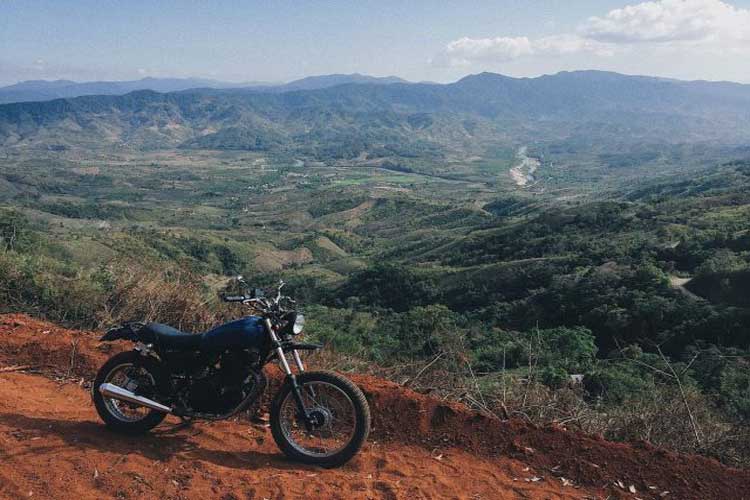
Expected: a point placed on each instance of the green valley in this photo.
(506, 234)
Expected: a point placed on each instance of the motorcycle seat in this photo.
(243, 333)
(171, 338)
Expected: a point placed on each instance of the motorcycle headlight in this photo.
(299, 324)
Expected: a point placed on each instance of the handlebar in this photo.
(257, 300)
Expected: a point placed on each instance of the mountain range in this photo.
(335, 117)
(44, 90)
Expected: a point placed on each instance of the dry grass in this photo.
(166, 295)
(673, 417)
(661, 418)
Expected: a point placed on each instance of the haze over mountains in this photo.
(44, 90)
(345, 116)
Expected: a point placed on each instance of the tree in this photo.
(13, 229)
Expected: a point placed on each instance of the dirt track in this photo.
(52, 445)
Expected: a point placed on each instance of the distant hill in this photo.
(325, 81)
(42, 90)
(45, 90)
(571, 108)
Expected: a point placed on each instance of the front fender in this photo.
(298, 346)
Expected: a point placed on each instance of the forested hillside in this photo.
(572, 248)
(396, 119)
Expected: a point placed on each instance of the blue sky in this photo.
(418, 40)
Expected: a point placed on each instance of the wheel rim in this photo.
(332, 410)
(129, 377)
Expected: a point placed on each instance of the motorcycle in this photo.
(317, 417)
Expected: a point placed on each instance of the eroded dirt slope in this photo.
(52, 445)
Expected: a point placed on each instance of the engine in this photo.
(220, 386)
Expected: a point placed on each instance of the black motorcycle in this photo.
(317, 417)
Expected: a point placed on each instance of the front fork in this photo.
(284, 364)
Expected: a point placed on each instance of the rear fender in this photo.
(152, 363)
(128, 331)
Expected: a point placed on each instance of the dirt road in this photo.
(52, 445)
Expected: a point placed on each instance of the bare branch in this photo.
(424, 369)
(684, 397)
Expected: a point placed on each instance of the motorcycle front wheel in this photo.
(340, 414)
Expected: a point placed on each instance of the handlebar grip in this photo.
(234, 298)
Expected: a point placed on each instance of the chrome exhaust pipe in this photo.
(117, 392)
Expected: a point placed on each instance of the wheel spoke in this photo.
(335, 413)
(130, 378)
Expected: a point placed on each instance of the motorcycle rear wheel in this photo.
(118, 415)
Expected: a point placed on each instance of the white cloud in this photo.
(570, 44)
(466, 50)
(671, 21)
(696, 25)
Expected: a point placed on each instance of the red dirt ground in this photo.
(52, 445)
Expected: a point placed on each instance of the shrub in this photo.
(154, 293)
(40, 286)
(567, 350)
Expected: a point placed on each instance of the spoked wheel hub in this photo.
(320, 417)
(131, 379)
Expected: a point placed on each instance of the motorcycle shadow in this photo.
(163, 443)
